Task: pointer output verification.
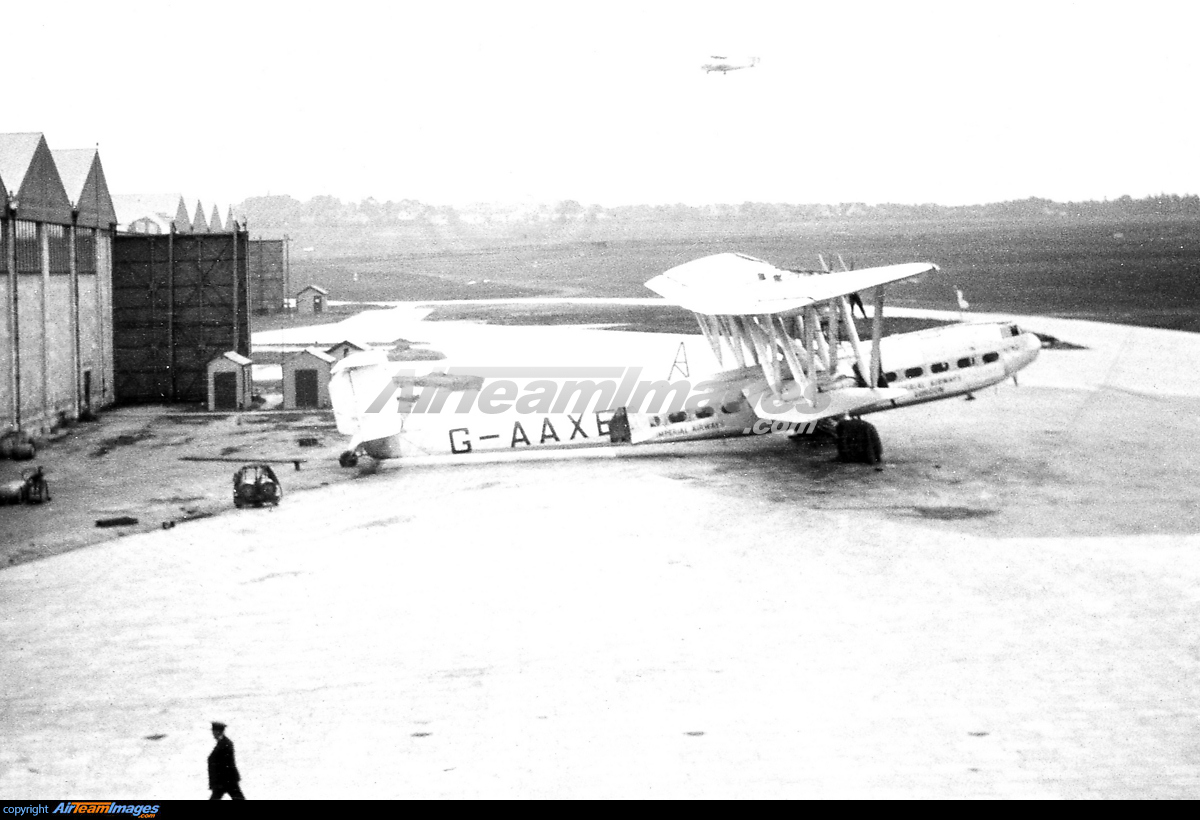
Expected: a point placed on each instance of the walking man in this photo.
(223, 775)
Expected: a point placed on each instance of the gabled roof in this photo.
(317, 288)
(31, 177)
(230, 222)
(314, 351)
(235, 357)
(350, 342)
(214, 221)
(83, 178)
(199, 223)
(16, 152)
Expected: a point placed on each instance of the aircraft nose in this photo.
(1030, 346)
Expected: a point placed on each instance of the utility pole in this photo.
(287, 274)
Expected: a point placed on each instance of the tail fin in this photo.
(361, 389)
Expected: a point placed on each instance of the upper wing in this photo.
(734, 284)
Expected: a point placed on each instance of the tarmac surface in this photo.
(1007, 609)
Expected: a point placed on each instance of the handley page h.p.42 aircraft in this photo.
(788, 337)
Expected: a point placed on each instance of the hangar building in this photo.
(56, 234)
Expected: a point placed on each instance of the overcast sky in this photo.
(605, 102)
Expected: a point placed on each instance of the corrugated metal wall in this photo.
(56, 325)
(31, 323)
(8, 367)
(179, 300)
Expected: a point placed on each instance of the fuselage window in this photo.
(939, 367)
(967, 362)
(914, 372)
(988, 358)
(705, 412)
(732, 407)
(675, 418)
(889, 377)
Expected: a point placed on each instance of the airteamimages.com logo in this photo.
(544, 390)
(84, 807)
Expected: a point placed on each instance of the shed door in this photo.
(306, 388)
(225, 391)
(318, 303)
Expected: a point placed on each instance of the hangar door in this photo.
(179, 301)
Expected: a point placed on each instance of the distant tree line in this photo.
(282, 212)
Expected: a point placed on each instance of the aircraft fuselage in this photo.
(927, 365)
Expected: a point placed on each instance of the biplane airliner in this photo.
(791, 359)
(727, 64)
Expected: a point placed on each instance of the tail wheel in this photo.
(348, 459)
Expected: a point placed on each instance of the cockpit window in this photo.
(732, 406)
(1014, 330)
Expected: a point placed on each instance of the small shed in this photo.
(311, 299)
(345, 348)
(306, 379)
(230, 382)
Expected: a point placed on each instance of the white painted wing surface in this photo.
(734, 284)
(829, 404)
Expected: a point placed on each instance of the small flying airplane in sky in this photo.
(788, 337)
(727, 64)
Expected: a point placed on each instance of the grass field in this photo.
(1134, 272)
(644, 318)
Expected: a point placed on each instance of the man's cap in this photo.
(216, 724)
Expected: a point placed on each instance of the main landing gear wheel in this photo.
(858, 441)
(348, 459)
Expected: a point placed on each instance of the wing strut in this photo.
(790, 354)
(711, 328)
(876, 336)
(855, 342)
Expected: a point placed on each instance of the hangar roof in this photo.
(199, 222)
(83, 178)
(31, 177)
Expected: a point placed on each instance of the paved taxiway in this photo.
(1008, 609)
